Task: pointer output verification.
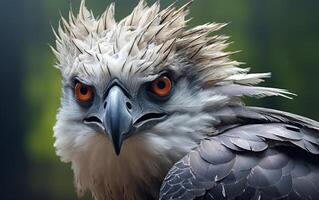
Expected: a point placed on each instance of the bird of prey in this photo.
(152, 109)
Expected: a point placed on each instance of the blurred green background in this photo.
(276, 36)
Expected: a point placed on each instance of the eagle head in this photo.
(139, 93)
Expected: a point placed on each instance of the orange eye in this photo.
(162, 86)
(83, 92)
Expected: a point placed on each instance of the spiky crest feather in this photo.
(149, 39)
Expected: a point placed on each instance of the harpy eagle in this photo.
(153, 110)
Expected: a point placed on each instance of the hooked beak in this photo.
(118, 117)
(117, 120)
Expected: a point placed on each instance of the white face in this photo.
(167, 115)
(167, 106)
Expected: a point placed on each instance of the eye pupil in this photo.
(84, 90)
(161, 84)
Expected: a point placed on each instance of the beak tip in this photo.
(117, 150)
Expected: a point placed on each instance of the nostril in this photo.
(129, 105)
(105, 103)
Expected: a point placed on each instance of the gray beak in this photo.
(118, 115)
(117, 120)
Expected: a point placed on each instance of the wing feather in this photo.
(261, 154)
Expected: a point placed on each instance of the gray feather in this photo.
(273, 156)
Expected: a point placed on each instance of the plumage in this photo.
(199, 140)
(265, 156)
